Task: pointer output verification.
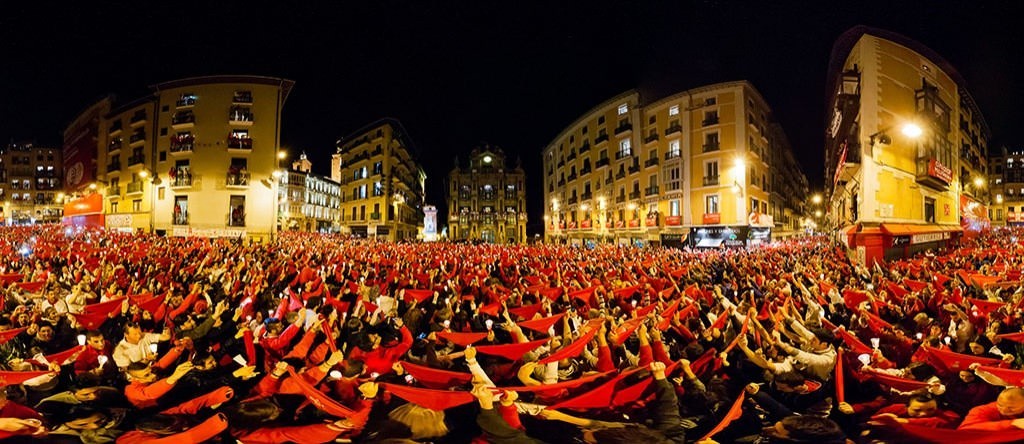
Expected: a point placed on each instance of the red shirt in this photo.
(987, 417)
(380, 359)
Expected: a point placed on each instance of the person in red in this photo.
(1006, 414)
(16, 419)
(144, 389)
(380, 358)
(169, 429)
(87, 364)
(278, 338)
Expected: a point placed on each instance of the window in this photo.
(673, 110)
(754, 205)
(236, 212)
(137, 205)
(673, 150)
(673, 208)
(711, 204)
(625, 147)
(362, 191)
(929, 210)
(709, 101)
(378, 189)
(623, 109)
(710, 118)
(711, 169)
(113, 207)
(600, 120)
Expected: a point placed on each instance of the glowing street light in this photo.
(817, 213)
(911, 130)
(816, 199)
(282, 154)
(979, 182)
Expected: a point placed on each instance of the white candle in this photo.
(153, 347)
(374, 375)
(920, 336)
(875, 342)
(81, 339)
(948, 340)
(489, 323)
(335, 374)
(864, 359)
(446, 323)
(102, 360)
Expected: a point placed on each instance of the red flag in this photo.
(10, 334)
(940, 436)
(1014, 378)
(526, 311)
(463, 339)
(1015, 337)
(632, 393)
(59, 357)
(586, 295)
(734, 413)
(913, 285)
(514, 352)
(624, 330)
(574, 349)
(31, 287)
(8, 279)
(853, 298)
(551, 293)
(954, 362)
(720, 321)
(319, 399)
(641, 312)
(432, 399)
(250, 347)
(541, 325)
(600, 396)
(572, 383)
(901, 384)
(417, 295)
(875, 323)
(840, 389)
(824, 287)
(104, 308)
(852, 342)
(986, 307)
(435, 378)
(15, 378)
(736, 340)
(626, 292)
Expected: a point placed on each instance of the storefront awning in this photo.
(912, 229)
(710, 242)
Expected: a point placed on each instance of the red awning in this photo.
(912, 229)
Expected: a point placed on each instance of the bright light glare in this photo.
(911, 130)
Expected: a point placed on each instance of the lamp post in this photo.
(397, 199)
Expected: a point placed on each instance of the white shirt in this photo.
(126, 353)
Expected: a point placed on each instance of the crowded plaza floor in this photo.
(108, 337)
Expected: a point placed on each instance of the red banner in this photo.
(585, 224)
(712, 218)
(85, 205)
(634, 223)
(652, 221)
(939, 171)
(620, 224)
(674, 221)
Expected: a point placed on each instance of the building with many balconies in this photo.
(1006, 182)
(695, 168)
(901, 175)
(487, 198)
(382, 183)
(30, 184)
(306, 201)
(196, 157)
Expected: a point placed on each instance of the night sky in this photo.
(459, 73)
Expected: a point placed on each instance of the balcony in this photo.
(185, 102)
(932, 173)
(115, 146)
(651, 162)
(137, 139)
(585, 147)
(573, 200)
(240, 118)
(137, 119)
(709, 121)
(572, 157)
(634, 168)
(179, 218)
(620, 198)
(236, 180)
(242, 97)
(236, 218)
(183, 178)
(673, 129)
(115, 128)
(113, 191)
(585, 170)
(710, 180)
(134, 187)
(182, 146)
(608, 180)
(621, 174)
(635, 194)
(651, 191)
(571, 177)
(672, 155)
(622, 155)
(711, 146)
(138, 159)
(603, 162)
(183, 120)
(651, 138)
(587, 196)
(624, 128)
(602, 138)
(374, 216)
(239, 144)
(114, 167)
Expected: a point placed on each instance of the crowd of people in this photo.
(132, 338)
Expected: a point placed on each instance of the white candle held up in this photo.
(153, 348)
(864, 359)
(489, 323)
(81, 339)
(102, 359)
(875, 342)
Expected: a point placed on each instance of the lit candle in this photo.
(920, 336)
(446, 323)
(81, 339)
(489, 323)
(335, 374)
(864, 359)
(153, 347)
(408, 379)
(374, 375)
(875, 342)
(102, 360)
(948, 340)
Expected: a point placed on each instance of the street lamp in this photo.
(396, 200)
(816, 199)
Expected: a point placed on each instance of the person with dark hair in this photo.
(87, 425)
(790, 393)
(145, 389)
(173, 429)
(805, 429)
(1006, 414)
(816, 357)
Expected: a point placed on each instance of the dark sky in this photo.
(460, 72)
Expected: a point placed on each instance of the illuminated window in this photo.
(623, 109)
(673, 110)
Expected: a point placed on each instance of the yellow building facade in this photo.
(197, 158)
(30, 184)
(696, 166)
(382, 183)
(487, 198)
(906, 148)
